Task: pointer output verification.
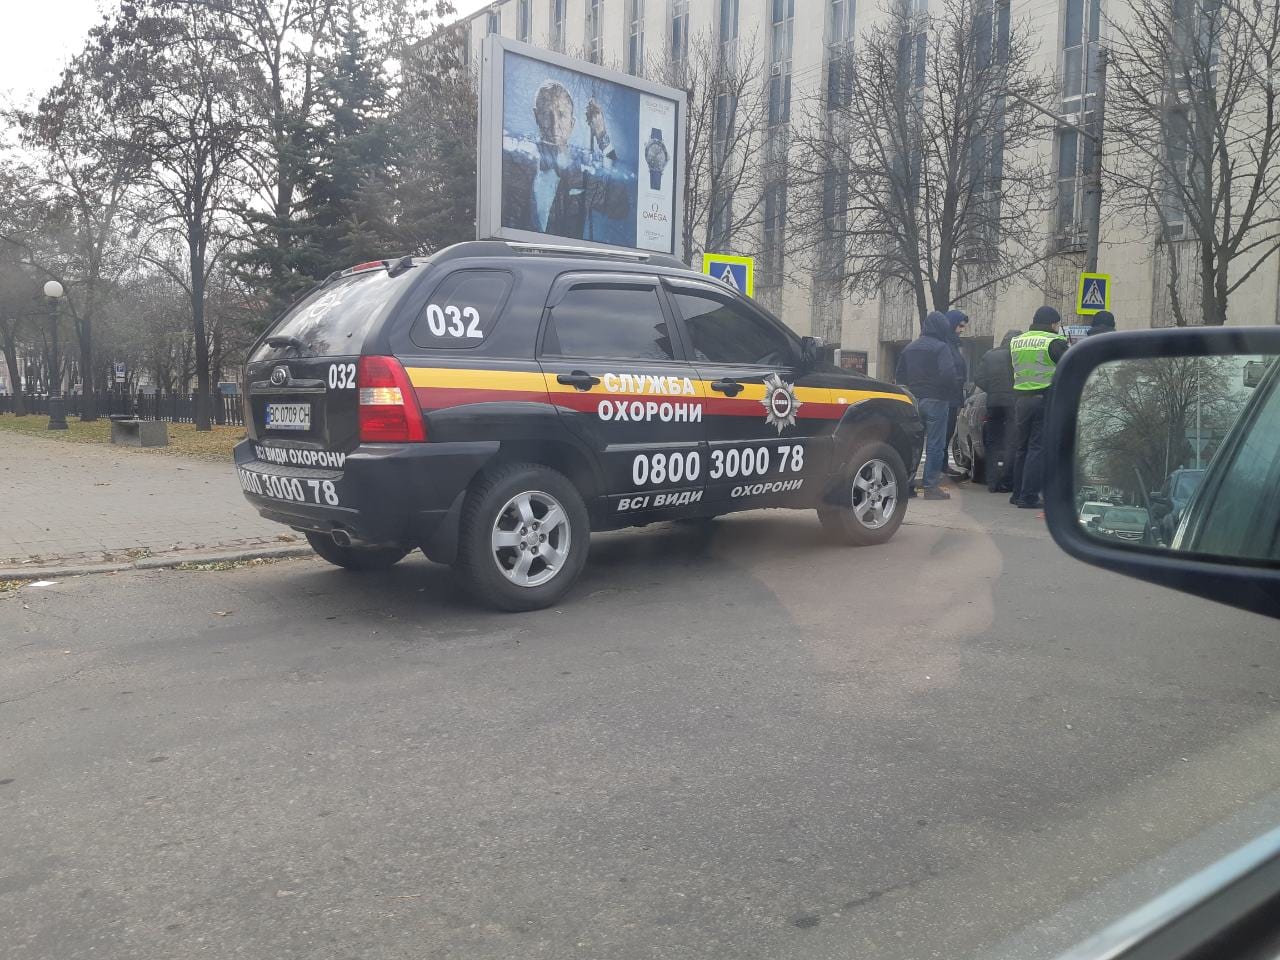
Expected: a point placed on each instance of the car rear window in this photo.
(333, 321)
(463, 309)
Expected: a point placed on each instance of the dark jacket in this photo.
(927, 366)
(994, 375)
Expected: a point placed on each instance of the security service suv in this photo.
(496, 402)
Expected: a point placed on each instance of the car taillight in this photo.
(389, 411)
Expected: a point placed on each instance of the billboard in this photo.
(572, 153)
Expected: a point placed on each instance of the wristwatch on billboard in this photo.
(655, 155)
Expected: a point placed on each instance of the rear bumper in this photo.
(405, 494)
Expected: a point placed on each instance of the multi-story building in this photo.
(803, 42)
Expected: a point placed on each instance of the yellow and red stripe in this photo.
(439, 388)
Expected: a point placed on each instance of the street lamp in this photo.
(57, 405)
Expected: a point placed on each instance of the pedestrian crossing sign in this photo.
(736, 272)
(1094, 294)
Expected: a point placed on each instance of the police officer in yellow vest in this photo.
(1035, 357)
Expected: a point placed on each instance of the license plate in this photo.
(288, 416)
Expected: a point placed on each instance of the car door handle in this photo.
(579, 379)
(730, 388)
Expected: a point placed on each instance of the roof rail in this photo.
(640, 256)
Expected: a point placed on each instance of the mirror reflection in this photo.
(1182, 453)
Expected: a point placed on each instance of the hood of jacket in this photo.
(1008, 337)
(936, 326)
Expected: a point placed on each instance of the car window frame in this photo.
(575, 278)
(499, 313)
(674, 285)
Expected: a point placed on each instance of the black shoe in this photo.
(1031, 505)
(933, 493)
(955, 473)
(1002, 489)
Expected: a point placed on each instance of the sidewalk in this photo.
(88, 503)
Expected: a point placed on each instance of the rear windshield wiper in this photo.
(278, 342)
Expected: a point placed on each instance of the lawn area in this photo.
(184, 439)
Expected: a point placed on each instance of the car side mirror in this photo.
(815, 351)
(1111, 420)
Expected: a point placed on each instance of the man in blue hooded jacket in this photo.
(927, 368)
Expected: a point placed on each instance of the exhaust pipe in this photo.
(341, 538)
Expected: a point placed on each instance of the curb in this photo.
(162, 562)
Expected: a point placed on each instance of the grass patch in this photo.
(8, 586)
(184, 439)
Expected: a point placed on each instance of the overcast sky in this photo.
(38, 36)
(36, 40)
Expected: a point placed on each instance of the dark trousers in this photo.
(1028, 464)
(999, 441)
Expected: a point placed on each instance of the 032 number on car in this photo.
(452, 321)
(342, 376)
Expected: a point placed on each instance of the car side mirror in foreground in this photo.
(1128, 409)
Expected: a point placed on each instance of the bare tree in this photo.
(910, 165)
(90, 166)
(1192, 119)
(724, 162)
(1135, 415)
(183, 97)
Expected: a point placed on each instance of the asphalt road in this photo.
(751, 745)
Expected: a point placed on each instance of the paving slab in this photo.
(90, 503)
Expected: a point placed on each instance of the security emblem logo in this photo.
(780, 403)
(280, 375)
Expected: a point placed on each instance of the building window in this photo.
(782, 15)
(635, 37)
(728, 21)
(722, 220)
(839, 53)
(555, 35)
(1177, 142)
(679, 31)
(775, 217)
(524, 18)
(1075, 157)
(595, 27)
(1082, 28)
(493, 22)
(1197, 36)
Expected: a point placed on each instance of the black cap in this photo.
(1046, 316)
(1103, 319)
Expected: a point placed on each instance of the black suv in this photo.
(496, 402)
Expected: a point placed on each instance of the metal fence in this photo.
(171, 407)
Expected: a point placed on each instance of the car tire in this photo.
(977, 468)
(355, 558)
(504, 571)
(853, 524)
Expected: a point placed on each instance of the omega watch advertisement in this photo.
(572, 151)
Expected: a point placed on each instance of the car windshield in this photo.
(547, 480)
(1124, 516)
